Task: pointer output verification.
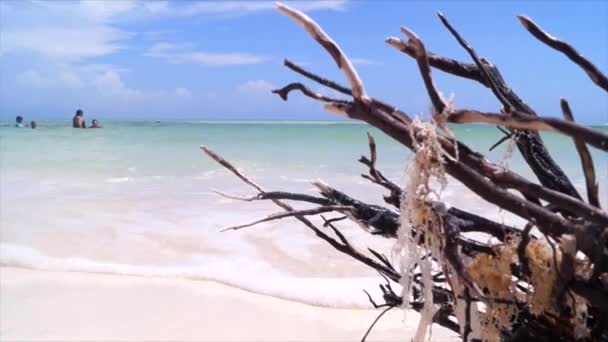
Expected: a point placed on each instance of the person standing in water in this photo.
(95, 124)
(78, 120)
(19, 121)
(33, 124)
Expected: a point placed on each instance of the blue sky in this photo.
(218, 60)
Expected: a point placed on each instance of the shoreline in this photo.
(48, 305)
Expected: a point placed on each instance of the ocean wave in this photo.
(346, 293)
(118, 180)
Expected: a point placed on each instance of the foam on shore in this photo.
(327, 292)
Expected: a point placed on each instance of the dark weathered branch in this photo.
(507, 136)
(451, 66)
(529, 143)
(377, 177)
(592, 71)
(466, 170)
(555, 208)
(292, 213)
(396, 113)
(528, 122)
(586, 159)
(346, 249)
(481, 66)
(425, 70)
(281, 195)
(369, 330)
(284, 92)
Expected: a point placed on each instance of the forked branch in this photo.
(592, 71)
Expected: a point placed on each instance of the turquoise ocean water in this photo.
(135, 198)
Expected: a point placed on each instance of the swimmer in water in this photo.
(95, 124)
(33, 124)
(19, 121)
(78, 120)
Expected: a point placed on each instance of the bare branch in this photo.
(480, 65)
(325, 82)
(231, 168)
(369, 330)
(387, 108)
(508, 136)
(529, 143)
(528, 122)
(451, 66)
(346, 249)
(304, 212)
(317, 33)
(586, 159)
(592, 71)
(425, 70)
(284, 92)
(377, 177)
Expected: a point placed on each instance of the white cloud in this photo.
(32, 78)
(157, 7)
(110, 83)
(64, 43)
(64, 30)
(71, 79)
(241, 7)
(182, 92)
(256, 87)
(180, 54)
(105, 10)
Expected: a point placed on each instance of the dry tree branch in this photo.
(399, 130)
(346, 249)
(281, 195)
(529, 143)
(481, 66)
(387, 108)
(467, 169)
(529, 122)
(586, 159)
(317, 33)
(329, 84)
(565, 212)
(377, 177)
(284, 92)
(592, 71)
(369, 330)
(451, 66)
(425, 71)
(292, 213)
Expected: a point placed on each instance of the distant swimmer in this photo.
(33, 124)
(19, 121)
(78, 120)
(95, 124)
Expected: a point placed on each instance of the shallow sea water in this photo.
(136, 198)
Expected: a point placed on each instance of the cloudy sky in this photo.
(218, 60)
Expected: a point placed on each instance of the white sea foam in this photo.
(262, 279)
(118, 180)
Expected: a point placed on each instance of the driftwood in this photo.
(551, 285)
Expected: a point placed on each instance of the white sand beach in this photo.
(65, 306)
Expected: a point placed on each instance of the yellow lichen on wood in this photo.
(493, 275)
(541, 261)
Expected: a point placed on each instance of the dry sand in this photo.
(38, 305)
